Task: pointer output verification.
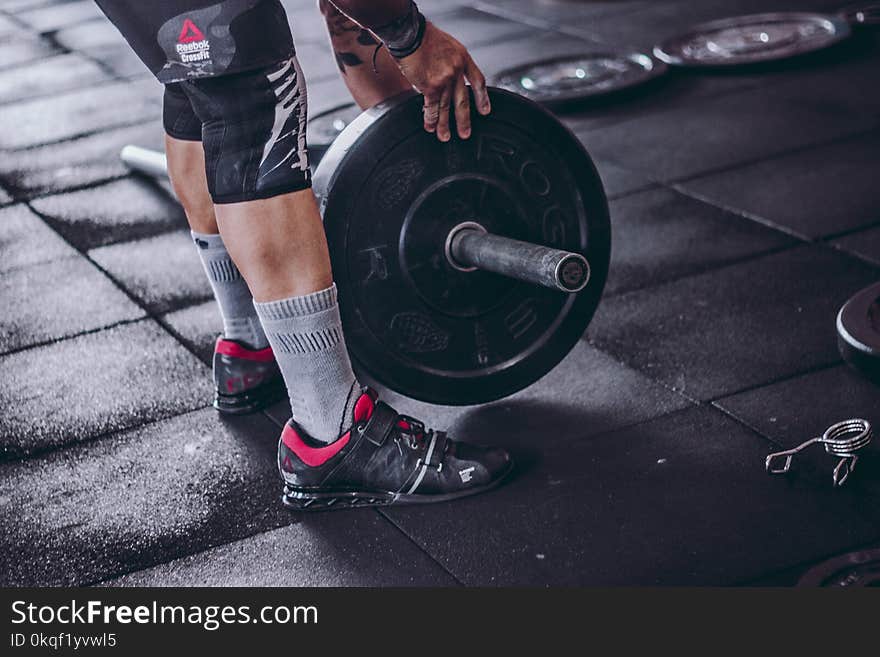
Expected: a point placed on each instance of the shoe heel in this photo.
(249, 402)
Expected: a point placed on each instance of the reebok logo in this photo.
(192, 46)
(466, 474)
(189, 33)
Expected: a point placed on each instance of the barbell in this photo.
(466, 270)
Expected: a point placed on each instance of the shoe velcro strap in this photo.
(436, 459)
(380, 425)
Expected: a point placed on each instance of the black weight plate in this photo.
(858, 331)
(390, 193)
(753, 39)
(851, 570)
(324, 128)
(865, 14)
(577, 79)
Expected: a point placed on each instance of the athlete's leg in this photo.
(186, 170)
(280, 247)
(278, 244)
(368, 70)
(259, 179)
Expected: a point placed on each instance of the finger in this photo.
(443, 133)
(462, 109)
(431, 112)
(478, 84)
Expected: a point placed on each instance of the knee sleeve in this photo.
(253, 132)
(178, 117)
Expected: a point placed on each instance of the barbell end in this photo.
(573, 273)
(469, 247)
(145, 161)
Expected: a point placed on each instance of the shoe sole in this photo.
(299, 499)
(249, 402)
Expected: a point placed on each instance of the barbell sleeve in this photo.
(143, 160)
(473, 248)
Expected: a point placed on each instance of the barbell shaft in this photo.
(143, 160)
(469, 248)
(524, 261)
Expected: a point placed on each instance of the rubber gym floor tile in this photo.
(717, 133)
(836, 79)
(94, 384)
(679, 500)
(8, 26)
(619, 181)
(650, 23)
(327, 94)
(164, 272)
(318, 61)
(845, 79)
(474, 28)
(76, 163)
(663, 94)
(121, 60)
(439, 7)
(737, 327)
(197, 327)
(26, 240)
(16, 49)
(48, 77)
(308, 25)
(315, 551)
(135, 499)
(75, 113)
(864, 244)
(814, 192)
(13, 6)
(54, 17)
(559, 12)
(496, 57)
(659, 235)
(120, 210)
(792, 411)
(98, 33)
(587, 393)
(55, 300)
(293, 6)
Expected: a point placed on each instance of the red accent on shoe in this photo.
(315, 456)
(235, 350)
(363, 408)
(312, 456)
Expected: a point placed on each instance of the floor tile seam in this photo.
(157, 318)
(92, 440)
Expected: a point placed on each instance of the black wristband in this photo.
(404, 35)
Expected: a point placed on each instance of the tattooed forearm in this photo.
(344, 59)
(337, 22)
(352, 44)
(366, 38)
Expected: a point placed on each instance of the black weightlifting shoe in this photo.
(384, 458)
(245, 380)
